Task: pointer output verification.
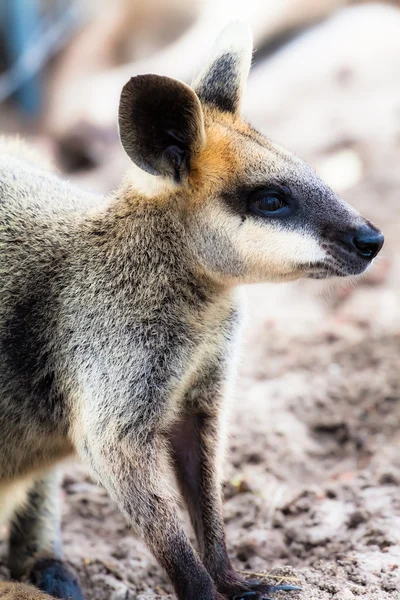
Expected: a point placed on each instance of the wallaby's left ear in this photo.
(161, 124)
(222, 81)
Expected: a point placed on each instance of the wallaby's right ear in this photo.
(161, 125)
(222, 81)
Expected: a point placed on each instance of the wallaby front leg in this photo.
(134, 475)
(195, 444)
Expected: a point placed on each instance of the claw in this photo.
(272, 588)
(285, 588)
(281, 588)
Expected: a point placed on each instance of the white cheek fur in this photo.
(266, 251)
(273, 245)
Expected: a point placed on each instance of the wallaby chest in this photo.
(205, 362)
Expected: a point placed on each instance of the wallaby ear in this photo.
(222, 81)
(161, 124)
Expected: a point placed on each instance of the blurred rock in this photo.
(333, 83)
(341, 170)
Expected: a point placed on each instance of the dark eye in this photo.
(269, 203)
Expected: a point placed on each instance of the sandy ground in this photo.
(312, 474)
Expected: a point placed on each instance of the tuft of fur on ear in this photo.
(222, 81)
(161, 124)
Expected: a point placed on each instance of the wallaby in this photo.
(117, 315)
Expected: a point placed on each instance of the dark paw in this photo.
(264, 591)
(236, 588)
(54, 578)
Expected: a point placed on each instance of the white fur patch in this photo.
(148, 185)
(266, 251)
(275, 245)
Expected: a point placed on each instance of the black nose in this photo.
(367, 241)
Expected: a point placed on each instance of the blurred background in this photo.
(313, 462)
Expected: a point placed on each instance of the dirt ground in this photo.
(312, 477)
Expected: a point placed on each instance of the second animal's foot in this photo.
(54, 578)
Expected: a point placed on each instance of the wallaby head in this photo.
(252, 210)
